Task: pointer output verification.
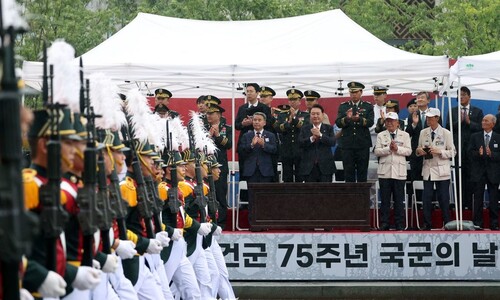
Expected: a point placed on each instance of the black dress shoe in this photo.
(384, 227)
(426, 228)
(494, 227)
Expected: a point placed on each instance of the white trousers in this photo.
(225, 290)
(180, 271)
(121, 284)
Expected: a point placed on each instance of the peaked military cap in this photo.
(174, 158)
(41, 126)
(294, 93)
(212, 162)
(392, 103)
(163, 93)
(215, 108)
(311, 95)
(267, 91)
(117, 144)
(283, 108)
(210, 99)
(379, 90)
(355, 86)
(188, 156)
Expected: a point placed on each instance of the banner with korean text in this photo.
(362, 256)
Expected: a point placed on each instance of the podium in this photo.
(310, 206)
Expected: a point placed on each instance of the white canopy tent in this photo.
(192, 57)
(480, 73)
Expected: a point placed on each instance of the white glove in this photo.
(154, 246)
(87, 278)
(218, 231)
(96, 264)
(25, 295)
(205, 229)
(177, 234)
(53, 286)
(110, 264)
(126, 249)
(162, 236)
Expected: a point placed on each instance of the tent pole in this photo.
(233, 171)
(459, 150)
(453, 162)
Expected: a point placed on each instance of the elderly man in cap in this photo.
(435, 145)
(355, 117)
(162, 99)
(392, 147)
(312, 98)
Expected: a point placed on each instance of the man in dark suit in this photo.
(355, 117)
(470, 122)
(416, 122)
(243, 121)
(288, 126)
(221, 134)
(317, 140)
(484, 150)
(258, 145)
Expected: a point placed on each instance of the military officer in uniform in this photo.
(221, 133)
(391, 105)
(355, 117)
(288, 126)
(162, 99)
(312, 98)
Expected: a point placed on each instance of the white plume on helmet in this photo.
(66, 80)
(106, 102)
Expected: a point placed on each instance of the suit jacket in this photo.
(244, 111)
(484, 165)
(439, 167)
(320, 151)
(392, 164)
(258, 157)
(355, 135)
(497, 125)
(289, 133)
(475, 116)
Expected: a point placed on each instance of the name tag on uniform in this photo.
(266, 139)
(439, 143)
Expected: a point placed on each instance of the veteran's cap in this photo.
(433, 112)
(392, 115)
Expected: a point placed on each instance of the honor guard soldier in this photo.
(288, 126)
(37, 277)
(162, 96)
(312, 98)
(355, 117)
(221, 134)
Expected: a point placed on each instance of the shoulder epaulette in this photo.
(162, 190)
(185, 188)
(129, 193)
(31, 187)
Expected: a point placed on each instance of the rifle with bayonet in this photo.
(143, 202)
(14, 226)
(173, 191)
(53, 216)
(104, 219)
(156, 203)
(212, 200)
(87, 195)
(200, 199)
(119, 206)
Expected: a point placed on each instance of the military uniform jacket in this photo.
(439, 167)
(355, 135)
(289, 131)
(33, 179)
(485, 165)
(223, 143)
(392, 164)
